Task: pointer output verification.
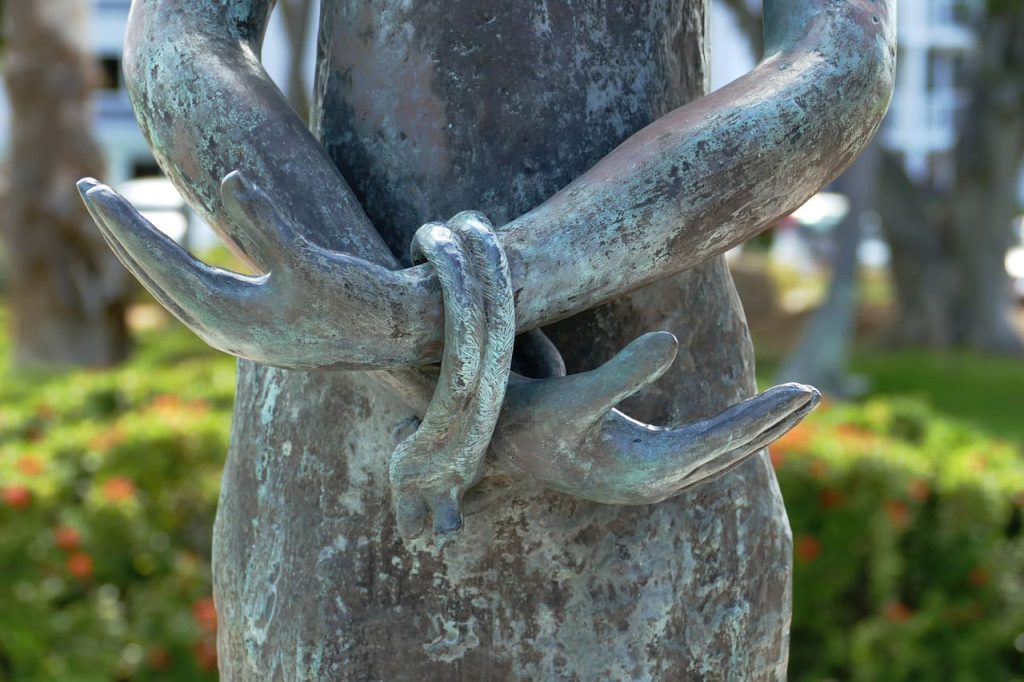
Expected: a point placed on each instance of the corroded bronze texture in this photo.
(426, 108)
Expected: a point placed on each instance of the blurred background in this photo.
(899, 291)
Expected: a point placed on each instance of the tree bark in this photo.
(822, 356)
(296, 14)
(430, 108)
(980, 210)
(919, 262)
(948, 246)
(68, 292)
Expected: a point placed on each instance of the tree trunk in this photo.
(980, 210)
(68, 292)
(920, 267)
(296, 14)
(429, 111)
(822, 356)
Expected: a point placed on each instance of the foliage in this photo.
(909, 558)
(109, 484)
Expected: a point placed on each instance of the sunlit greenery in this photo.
(109, 485)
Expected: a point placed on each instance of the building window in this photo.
(145, 168)
(110, 73)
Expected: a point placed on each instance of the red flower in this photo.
(979, 577)
(17, 496)
(808, 548)
(919, 489)
(897, 512)
(818, 469)
(204, 613)
(80, 565)
(897, 612)
(107, 440)
(831, 498)
(67, 538)
(119, 489)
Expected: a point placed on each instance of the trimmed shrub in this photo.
(909, 555)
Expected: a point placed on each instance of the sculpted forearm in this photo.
(698, 181)
(716, 172)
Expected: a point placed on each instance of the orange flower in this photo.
(796, 439)
(897, 612)
(17, 496)
(67, 538)
(818, 469)
(80, 565)
(919, 489)
(831, 498)
(29, 465)
(897, 512)
(808, 548)
(45, 410)
(856, 436)
(119, 489)
(167, 403)
(777, 456)
(107, 440)
(204, 613)
(979, 577)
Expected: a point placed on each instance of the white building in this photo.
(116, 130)
(922, 122)
(929, 96)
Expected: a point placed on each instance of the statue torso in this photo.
(431, 107)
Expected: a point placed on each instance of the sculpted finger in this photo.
(491, 273)
(410, 514)
(447, 508)
(747, 421)
(593, 394)
(463, 315)
(214, 303)
(271, 239)
(728, 461)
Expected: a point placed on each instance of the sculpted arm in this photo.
(698, 181)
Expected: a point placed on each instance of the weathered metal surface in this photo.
(561, 432)
(433, 468)
(700, 180)
(429, 108)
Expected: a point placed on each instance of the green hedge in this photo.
(909, 553)
(109, 486)
(907, 530)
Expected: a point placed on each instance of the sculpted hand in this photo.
(306, 304)
(433, 468)
(564, 432)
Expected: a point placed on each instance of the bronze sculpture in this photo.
(401, 114)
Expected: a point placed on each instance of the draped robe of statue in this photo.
(430, 108)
